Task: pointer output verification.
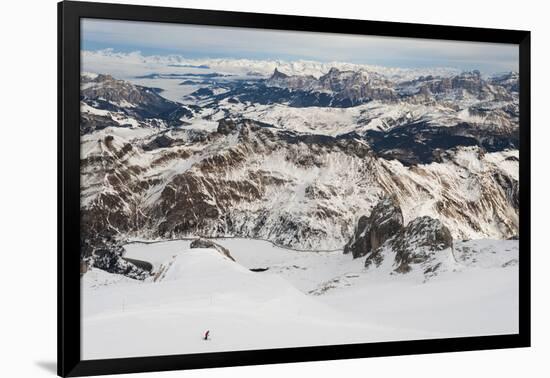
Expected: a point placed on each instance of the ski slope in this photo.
(302, 299)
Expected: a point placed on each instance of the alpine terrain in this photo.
(281, 204)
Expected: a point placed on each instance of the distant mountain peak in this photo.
(278, 75)
(473, 73)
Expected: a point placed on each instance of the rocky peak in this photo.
(341, 88)
(508, 80)
(382, 235)
(470, 81)
(384, 222)
(474, 74)
(336, 80)
(95, 78)
(278, 75)
(121, 97)
(418, 241)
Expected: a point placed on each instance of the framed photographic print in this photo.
(239, 188)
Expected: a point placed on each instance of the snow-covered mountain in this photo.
(296, 159)
(349, 88)
(126, 65)
(345, 203)
(110, 102)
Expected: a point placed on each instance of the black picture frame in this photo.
(69, 360)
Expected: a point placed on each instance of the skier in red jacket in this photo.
(206, 335)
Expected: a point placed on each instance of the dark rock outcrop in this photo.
(144, 265)
(384, 222)
(382, 235)
(205, 243)
(226, 126)
(278, 75)
(93, 122)
(111, 260)
(418, 241)
(162, 141)
(421, 143)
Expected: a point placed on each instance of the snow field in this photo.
(303, 299)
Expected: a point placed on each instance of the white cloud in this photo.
(206, 41)
(130, 65)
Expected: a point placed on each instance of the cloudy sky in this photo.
(222, 42)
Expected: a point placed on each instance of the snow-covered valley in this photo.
(302, 299)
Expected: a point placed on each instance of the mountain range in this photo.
(302, 161)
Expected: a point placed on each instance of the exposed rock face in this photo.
(510, 187)
(345, 88)
(382, 235)
(421, 143)
(101, 247)
(384, 222)
(508, 80)
(143, 265)
(299, 189)
(92, 122)
(418, 241)
(205, 243)
(226, 126)
(349, 88)
(143, 105)
(207, 186)
(162, 141)
(111, 260)
(465, 84)
(278, 75)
